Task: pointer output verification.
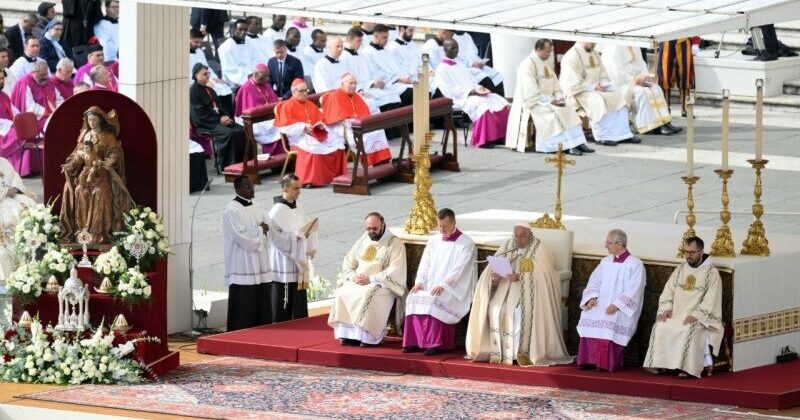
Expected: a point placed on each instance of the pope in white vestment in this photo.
(538, 96)
(628, 71)
(689, 317)
(518, 317)
(588, 88)
(611, 304)
(373, 277)
(14, 200)
(442, 291)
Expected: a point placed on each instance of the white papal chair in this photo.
(560, 244)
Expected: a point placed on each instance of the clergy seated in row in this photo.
(293, 245)
(408, 55)
(196, 55)
(385, 67)
(95, 57)
(9, 146)
(255, 92)
(587, 87)
(261, 45)
(207, 115)
(101, 79)
(35, 93)
(516, 316)
(385, 95)
(294, 49)
(487, 110)
(320, 150)
(538, 96)
(52, 46)
(5, 57)
(442, 291)
(313, 53)
(237, 56)
(247, 269)
(689, 314)
(24, 63)
(373, 277)
(14, 200)
(62, 78)
(628, 71)
(276, 31)
(329, 70)
(611, 305)
(468, 55)
(343, 105)
(283, 70)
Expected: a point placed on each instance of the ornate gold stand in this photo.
(547, 222)
(756, 242)
(723, 244)
(690, 217)
(422, 217)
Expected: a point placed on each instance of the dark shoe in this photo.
(663, 130)
(574, 151)
(487, 146)
(673, 128)
(633, 140)
(585, 367)
(411, 349)
(683, 114)
(433, 352)
(349, 342)
(606, 142)
(369, 345)
(585, 149)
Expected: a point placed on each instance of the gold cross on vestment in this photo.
(546, 222)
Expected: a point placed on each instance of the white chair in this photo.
(560, 244)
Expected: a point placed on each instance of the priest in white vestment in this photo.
(689, 317)
(247, 268)
(329, 69)
(442, 291)
(237, 56)
(408, 54)
(488, 111)
(293, 244)
(369, 85)
(434, 47)
(588, 88)
(385, 67)
(517, 316)
(538, 96)
(611, 305)
(468, 55)
(373, 277)
(314, 52)
(275, 32)
(627, 70)
(14, 199)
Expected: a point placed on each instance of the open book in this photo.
(310, 227)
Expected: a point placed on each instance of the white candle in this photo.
(759, 115)
(725, 128)
(690, 139)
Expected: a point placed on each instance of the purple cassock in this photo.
(24, 161)
(251, 95)
(65, 88)
(83, 73)
(44, 95)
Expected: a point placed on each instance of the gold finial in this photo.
(723, 244)
(756, 242)
(690, 217)
(545, 222)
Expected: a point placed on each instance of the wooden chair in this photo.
(29, 137)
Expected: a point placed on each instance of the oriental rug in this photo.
(237, 388)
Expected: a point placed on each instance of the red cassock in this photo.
(311, 168)
(338, 106)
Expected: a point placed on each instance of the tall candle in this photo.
(725, 128)
(690, 138)
(759, 115)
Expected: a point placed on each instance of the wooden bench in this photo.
(400, 168)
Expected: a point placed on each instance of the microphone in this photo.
(191, 331)
(502, 253)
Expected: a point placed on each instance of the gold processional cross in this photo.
(560, 161)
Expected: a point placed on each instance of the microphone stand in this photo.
(192, 333)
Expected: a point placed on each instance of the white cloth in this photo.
(373, 141)
(385, 67)
(408, 55)
(10, 80)
(298, 137)
(220, 88)
(456, 82)
(536, 87)
(10, 213)
(312, 56)
(435, 52)
(327, 74)
(468, 55)
(451, 265)
(359, 65)
(581, 72)
(20, 68)
(107, 33)
(262, 48)
(270, 36)
(246, 259)
(237, 61)
(289, 248)
(37, 108)
(620, 284)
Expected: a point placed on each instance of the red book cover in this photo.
(319, 133)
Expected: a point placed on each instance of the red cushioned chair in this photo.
(29, 137)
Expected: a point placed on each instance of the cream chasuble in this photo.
(689, 291)
(581, 72)
(519, 320)
(367, 307)
(11, 209)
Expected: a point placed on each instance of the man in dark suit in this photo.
(18, 33)
(210, 21)
(283, 69)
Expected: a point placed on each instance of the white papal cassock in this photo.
(581, 72)
(626, 67)
(673, 345)
(360, 312)
(536, 87)
(359, 65)
(11, 209)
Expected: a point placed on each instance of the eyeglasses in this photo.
(692, 252)
(301, 90)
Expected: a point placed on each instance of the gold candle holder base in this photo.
(560, 161)
(756, 242)
(723, 243)
(690, 217)
(422, 217)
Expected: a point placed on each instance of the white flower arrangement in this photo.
(132, 287)
(25, 283)
(55, 357)
(56, 262)
(110, 264)
(37, 230)
(144, 239)
(318, 288)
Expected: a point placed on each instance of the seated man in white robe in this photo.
(468, 55)
(516, 316)
(611, 305)
(329, 69)
(262, 46)
(276, 31)
(313, 53)
(295, 49)
(628, 71)
(434, 47)
(373, 277)
(442, 291)
(689, 317)
(247, 270)
(408, 54)
(237, 56)
(538, 96)
(369, 85)
(589, 90)
(488, 111)
(386, 68)
(14, 200)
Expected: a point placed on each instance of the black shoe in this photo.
(411, 349)
(369, 345)
(585, 149)
(487, 146)
(433, 352)
(663, 130)
(349, 342)
(672, 128)
(574, 151)
(634, 140)
(606, 142)
(585, 367)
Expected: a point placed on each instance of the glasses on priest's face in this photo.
(692, 251)
(301, 90)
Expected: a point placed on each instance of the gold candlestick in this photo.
(546, 222)
(422, 217)
(756, 242)
(690, 217)
(723, 244)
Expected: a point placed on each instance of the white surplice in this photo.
(262, 48)
(305, 34)
(385, 67)
(270, 35)
(20, 67)
(408, 55)
(299, 137)
(358, 64)
(245, 245)
(451, 265)
(456, 82)
(468, 55)
(237, 61)
(288, 247)
(215, 82)
(11, 209)
(620, 284)
(312, 56)
(107, 33)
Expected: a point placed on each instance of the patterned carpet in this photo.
(257, 389)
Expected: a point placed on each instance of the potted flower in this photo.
(25, 283)
(132, 287)
(37, 229)
(144, 239)
(56, 262)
